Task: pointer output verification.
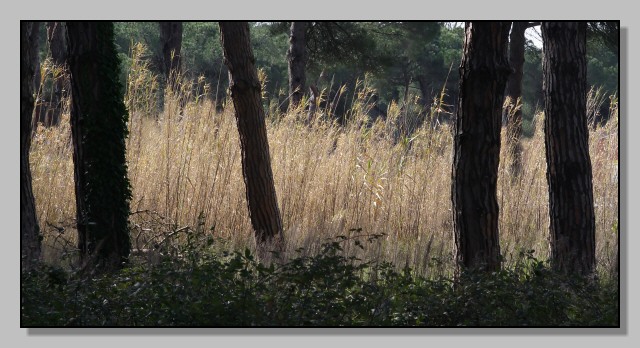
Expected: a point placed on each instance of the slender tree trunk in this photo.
(425, 99)
(256, 161)
(569, 175)
(39, 105)
(29, 229)
(171, 41)
(314, 100)
(513, 111)
(98, 129)
(297, 58)
(483, 75)
(35, 39)
(407, 84)
(424, 90)
(56, 36)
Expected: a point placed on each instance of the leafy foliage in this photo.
(607, 33)
(329, 289)
(602, 65)
(532, 87)
(395, 55)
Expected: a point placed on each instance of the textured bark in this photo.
(29, 229)
(483, 75)
(569, 175)
(98, 129)
(513, 113)
(56, 37)
(171, 42)
(297, 58)
(256, 161)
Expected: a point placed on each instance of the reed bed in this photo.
(361, 179)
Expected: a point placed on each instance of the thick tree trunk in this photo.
(98, 129)
(56, 36)
(297, 58)
(171, 42)
(483, 75)
(513, 111)
(29, 229)
(572, 219)
(256, 161)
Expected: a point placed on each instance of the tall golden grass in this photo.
(359, 179)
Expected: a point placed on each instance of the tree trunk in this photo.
(483, 75)
(425, 100)
(56, 36)
(256, 162)
(297, 58)
(29, 229)
(572, 219)
(425, 92)
(38, 104)
(35, 58)
(513, 111)
(171, 42)
(98, 129)
(407, 84)
(314, 100)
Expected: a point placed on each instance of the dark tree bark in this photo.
(425, 90)
(569, 175)
(98, 129)
(41, 107)
(483, 76)
(29, 229)
(513, 111)
(56, 37)
(425, 100)
(297, 58)
(35, 58)
(171, 42)
(256, 161)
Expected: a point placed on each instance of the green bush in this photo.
(329, 289)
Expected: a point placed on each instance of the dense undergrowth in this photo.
(327, 289)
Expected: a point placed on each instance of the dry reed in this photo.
(362, 178)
